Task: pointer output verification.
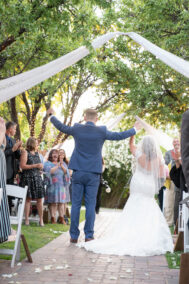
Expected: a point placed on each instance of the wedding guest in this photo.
(185, 146)
(12, 155)
(178, 192)
(55, 173)
(63, 160)
(163, 184)
(31, 166)
(173, 195)
(5, 227)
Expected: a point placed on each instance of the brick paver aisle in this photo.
(62, 262)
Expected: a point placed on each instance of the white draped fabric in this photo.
(162, 138)
(15, 85)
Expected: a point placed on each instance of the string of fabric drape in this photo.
(15, 85)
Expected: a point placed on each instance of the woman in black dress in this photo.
(5, 227)
(31, 166)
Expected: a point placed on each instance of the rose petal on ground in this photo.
(48, 267)
(38, 270)
(7, 275)
(113, 278)
(60, 267)
(90, 279)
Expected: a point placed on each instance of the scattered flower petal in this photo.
(48, 267)
(60, 267)
(38, 270)
(93, 260)
(70, 274)
(14, 274)
(19, 264)
(90, 279)
(113, 278)
(7, 275)
(147, 274)
(129, 270)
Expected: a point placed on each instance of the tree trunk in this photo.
(14, 117)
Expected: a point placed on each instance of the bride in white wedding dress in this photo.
(141, 229)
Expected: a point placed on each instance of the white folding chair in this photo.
(185, 212)
(18, 192)
(1, 194)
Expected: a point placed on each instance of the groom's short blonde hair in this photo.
(90, 113)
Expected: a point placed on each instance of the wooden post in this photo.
(184, 269)
(26, 248)
(179, 245)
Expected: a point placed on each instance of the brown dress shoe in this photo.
(53, 221)
(62, 221)
(74, 241)
(89, 239)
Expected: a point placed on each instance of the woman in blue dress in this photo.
(56, 175)
(5, 227)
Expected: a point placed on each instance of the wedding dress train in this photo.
(141, 229)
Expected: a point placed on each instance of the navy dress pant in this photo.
(84, 184)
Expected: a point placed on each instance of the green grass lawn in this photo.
(173, 259)
(37, 237)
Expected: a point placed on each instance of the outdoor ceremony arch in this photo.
(15, 85)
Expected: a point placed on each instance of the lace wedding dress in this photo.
(141, 229)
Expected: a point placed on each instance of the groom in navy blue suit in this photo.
(86, 163)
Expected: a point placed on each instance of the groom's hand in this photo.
(137, 125)
(50, 111)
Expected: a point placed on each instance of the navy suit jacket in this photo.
(12, 158)
(185, 146)
(89, 139)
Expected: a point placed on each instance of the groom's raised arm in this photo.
(61, 126)
(120, 135)
(124, 134)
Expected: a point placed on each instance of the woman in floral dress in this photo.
(56, 174)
